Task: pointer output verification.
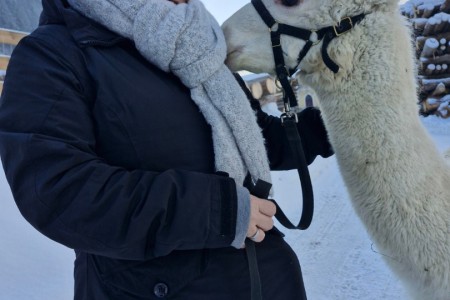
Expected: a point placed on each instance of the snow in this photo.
(338, 259)
(254, 77)
(409, 6)
(271, 109)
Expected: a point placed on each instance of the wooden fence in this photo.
(8, 37)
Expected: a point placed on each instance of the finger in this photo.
(267, 208)
(264, 222)
(258, 236)
(252, 232)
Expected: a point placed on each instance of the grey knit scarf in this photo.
(186, 40)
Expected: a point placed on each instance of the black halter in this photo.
(312, 37)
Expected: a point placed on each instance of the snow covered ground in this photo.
(338, 259)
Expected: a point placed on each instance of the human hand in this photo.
(261, 218)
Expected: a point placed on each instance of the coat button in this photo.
(161, 290)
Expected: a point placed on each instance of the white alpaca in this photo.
(397, 179)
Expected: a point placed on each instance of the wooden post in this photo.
(429, 47)
(429, 85)
(431, 68)
(11, 37)
(445, 7)
(419, 24)
(257, 90)
(439, 90)
(270, 85)
(441, 22)
(430, 26)
(4, 61)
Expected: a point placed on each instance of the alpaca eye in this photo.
(289, 2)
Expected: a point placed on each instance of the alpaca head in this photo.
(248, 39)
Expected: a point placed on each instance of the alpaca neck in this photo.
(372, 115)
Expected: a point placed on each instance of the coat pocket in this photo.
(153, 279)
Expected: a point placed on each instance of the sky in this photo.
(222, 10)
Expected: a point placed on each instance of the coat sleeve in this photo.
(68, 193)
(312, 133)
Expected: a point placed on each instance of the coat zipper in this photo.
(92, 43)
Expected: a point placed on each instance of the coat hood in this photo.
(81, 28)
(51, 13)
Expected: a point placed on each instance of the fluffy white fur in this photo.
(397, 179)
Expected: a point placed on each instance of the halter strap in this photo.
(312, 37)
(331, 32)
(264, 13)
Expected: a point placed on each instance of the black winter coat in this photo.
(108, 155)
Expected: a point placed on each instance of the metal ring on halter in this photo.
(274, 27)
(253, 237)
(314, 38)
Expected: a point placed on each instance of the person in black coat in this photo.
(111, 154)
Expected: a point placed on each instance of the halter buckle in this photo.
(338, 30)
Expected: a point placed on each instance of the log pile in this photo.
(264, 88)
(431, 25)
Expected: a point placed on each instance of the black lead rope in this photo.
(289, 119)
(290, 126)
(261, 189)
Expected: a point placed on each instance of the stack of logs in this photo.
(431, 23)
(263, 88)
